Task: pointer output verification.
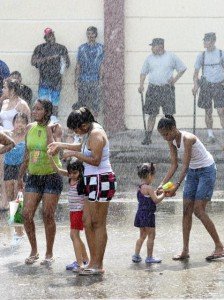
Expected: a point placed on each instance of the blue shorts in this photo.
(199, 183)
(44, 184)
(50, 94)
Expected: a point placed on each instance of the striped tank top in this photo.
(75, 201)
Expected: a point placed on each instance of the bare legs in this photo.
(30, 206)
(94, 218)
(146, 232)
(49, 205)
(79, 247)
(198, 208)
(50, 202)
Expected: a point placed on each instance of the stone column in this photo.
(114, 119)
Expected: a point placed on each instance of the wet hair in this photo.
(93, 29)
(146, 169)
(20, 116)
(13, 85)
(166, 122)
(77, 165)
(16, 75)
(48, 107)
(78, 117)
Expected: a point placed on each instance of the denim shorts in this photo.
(50, 94)
(44, 184)
(199, 183)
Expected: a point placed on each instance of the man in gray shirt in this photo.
(211, 82)
(159, 66)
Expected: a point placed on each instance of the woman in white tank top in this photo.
(199, 171)
(10, 107)
(100, 182)
(12, 104)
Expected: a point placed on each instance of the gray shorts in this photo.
(89, 95)
(209, 92)
(157, 96)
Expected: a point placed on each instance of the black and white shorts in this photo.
(100, 187)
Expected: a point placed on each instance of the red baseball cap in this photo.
(48, 31)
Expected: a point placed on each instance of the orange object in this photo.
(168, 186)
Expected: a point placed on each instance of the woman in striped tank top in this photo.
(76, 202)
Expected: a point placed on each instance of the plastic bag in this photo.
(16, 211)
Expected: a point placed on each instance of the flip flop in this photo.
(31, 259)
(47, 261)
(215, 256)
(90, 272)
(180, 257)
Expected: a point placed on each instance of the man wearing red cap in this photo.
(51, 59)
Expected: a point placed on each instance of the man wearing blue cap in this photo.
(159, 66)
(211, 62)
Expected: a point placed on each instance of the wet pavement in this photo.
(195, 278)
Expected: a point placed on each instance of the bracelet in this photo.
(178, 183)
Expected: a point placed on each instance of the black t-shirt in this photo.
(50, 70)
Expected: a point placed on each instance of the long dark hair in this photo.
(48, 107)
(13, 85)
(166, 122)
(78, 117)
(77, 165)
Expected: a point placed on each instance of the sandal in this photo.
(181, 257)
(31, 259)
(47, 261)
(215, 255)
(90, 271)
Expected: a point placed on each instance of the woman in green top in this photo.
(43, 183)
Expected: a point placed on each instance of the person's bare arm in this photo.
(101, 71)
(142, 80)
(195, 79)
(55, 146)
(6, 142)
(146, 190)
(36, 61)
(174, 164)
(24, 108)
(173, 80)
(96, 143)
(77, 73)
(56, 168)
(22, 170)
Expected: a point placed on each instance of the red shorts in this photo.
(76, 220)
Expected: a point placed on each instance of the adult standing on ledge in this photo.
(159, 66)
(100, 182)
(43, 183)
(200, 171)
(51, 59)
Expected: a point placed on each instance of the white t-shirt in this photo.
(213, 69)
(160, 68)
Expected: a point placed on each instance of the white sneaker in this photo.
(17, 240)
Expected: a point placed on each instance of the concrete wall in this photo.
(182, 23)
(21, 29)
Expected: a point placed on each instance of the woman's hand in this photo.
(68, 154)
(54, 148)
